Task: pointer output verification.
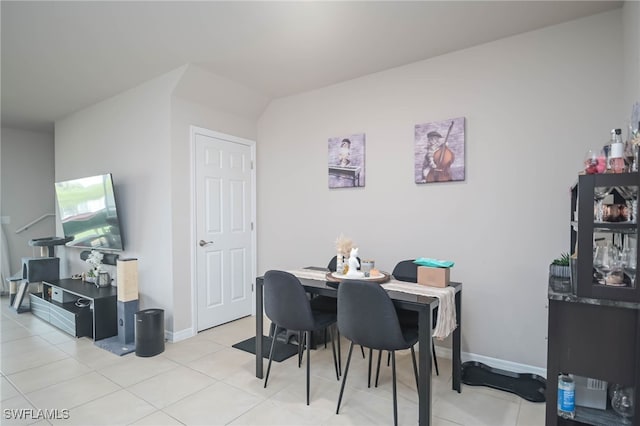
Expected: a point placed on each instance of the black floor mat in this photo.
(528, 386)
(281, 351)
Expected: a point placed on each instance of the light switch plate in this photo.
(5, 220)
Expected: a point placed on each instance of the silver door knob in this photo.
(204, 243)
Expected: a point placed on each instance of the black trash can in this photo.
(149, 332)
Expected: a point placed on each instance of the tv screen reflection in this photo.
(88, 213)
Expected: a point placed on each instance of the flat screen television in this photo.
(89, 214)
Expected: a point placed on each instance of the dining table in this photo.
(424, 305)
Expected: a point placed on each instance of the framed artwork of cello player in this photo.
(439, 151)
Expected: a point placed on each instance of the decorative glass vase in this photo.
(339, 263)
(622, 403)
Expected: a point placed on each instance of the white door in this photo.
(223, 237)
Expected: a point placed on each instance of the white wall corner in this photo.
(176, 336)
(213, 91)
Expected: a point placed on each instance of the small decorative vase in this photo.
(89, 279)
(339, 263)
(103, 279)
(622, 404)
(560, 271)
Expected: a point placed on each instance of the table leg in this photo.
(259, 328)
(456, 363)
(424, 365)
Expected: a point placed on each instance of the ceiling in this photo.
(60, 57)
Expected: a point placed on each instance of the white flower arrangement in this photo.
(95, 261)
(344, 245)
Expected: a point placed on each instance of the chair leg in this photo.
(308, 333)
(435, 360)
(300, 348)
(415, 369)
(333, 349)
(344, 378)
(395, 395)
(378, 368)
(273, 343)
(369, 375)
(339, 351)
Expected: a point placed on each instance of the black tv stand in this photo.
(99, 320)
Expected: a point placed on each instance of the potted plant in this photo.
(560, 266)
(95, 261)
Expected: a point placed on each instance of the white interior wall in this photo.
(631, 55)
(204, 100)
(531, 114)
(27, 191)
(129, 136)
(533, 103)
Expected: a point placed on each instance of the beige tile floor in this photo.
(204, 381)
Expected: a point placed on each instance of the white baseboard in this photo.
(441, 352)
(515, 367)
(179, 335)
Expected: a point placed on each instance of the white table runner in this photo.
(446, 321)
(310, 274)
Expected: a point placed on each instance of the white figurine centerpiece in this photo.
(343, 248)
(354, 264)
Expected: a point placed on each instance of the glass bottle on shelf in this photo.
(631, 148)
(607, 149)
(566, 396)
(616, 157)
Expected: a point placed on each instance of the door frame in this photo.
(194, 131)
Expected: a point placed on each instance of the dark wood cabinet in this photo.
(69, 318)
(594, 327)
(596, 339)
(98, 320)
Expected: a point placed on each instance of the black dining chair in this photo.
(329, 304)
(286, 304)
(382, 331)
(407, 271)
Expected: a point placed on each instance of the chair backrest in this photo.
(285, 301)
(406, 270)
(367, 317)
(333, 264)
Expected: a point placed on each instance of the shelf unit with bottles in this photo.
(594, 330)
(615, 231)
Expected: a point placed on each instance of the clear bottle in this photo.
(635, 149)
(607, 150)
(566, 396)
(616, 157)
